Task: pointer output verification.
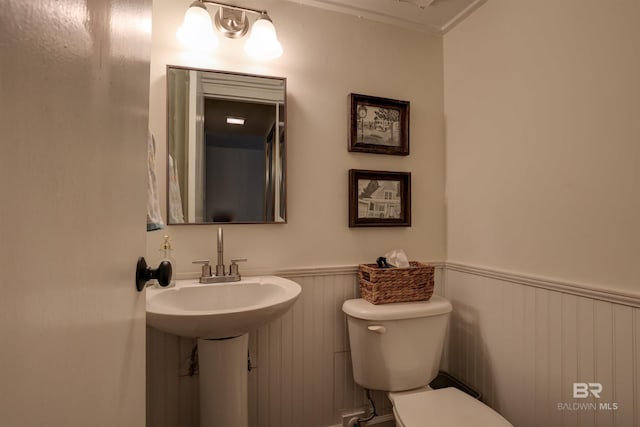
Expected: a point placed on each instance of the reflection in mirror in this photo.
(226, 141)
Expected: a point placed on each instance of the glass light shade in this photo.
(263, 42)
(196, 31)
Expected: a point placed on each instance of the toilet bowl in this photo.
(445, 407)
(397, 348)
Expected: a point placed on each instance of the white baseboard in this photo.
(377, 421)
(382, 419)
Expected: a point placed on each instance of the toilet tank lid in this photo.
(363, 309)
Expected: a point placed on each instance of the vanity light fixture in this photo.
(232, 22)
(263, 42)
(196, 31)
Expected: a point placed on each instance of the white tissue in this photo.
(397, 258)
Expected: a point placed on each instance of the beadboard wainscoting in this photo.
(520, 341)
(301, 373)
(523, 341)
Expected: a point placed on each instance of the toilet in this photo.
(397, 348)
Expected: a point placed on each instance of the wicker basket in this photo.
(387, 285)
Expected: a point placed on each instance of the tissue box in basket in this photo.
(387, 285)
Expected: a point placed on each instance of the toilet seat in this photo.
(446, 407)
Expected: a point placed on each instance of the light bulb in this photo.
(196, 31)
(263, 42)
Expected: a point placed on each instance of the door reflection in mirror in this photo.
(226, 147)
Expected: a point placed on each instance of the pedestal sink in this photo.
(220, 316)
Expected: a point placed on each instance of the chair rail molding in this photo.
(573, 288)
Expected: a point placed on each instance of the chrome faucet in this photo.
(220, 264)
(220, 276)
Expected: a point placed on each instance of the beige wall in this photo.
(326, 56)
(542, 106)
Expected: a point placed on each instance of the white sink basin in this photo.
(219, 310)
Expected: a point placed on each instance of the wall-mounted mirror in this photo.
(226, 147)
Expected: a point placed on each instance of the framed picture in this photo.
(379, 199)
(378, 125)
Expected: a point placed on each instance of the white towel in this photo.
(154, 217)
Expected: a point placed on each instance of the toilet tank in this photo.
(396, 346)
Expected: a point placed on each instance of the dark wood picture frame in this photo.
(379, 198)
(378, 125)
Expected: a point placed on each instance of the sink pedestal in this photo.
(224, 313)
(223, 382)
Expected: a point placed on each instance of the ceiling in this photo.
(260, 118)
(431, 16)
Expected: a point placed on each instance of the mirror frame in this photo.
(285, 153)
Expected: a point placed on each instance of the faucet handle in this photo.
(206, 268)
(233, 268)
